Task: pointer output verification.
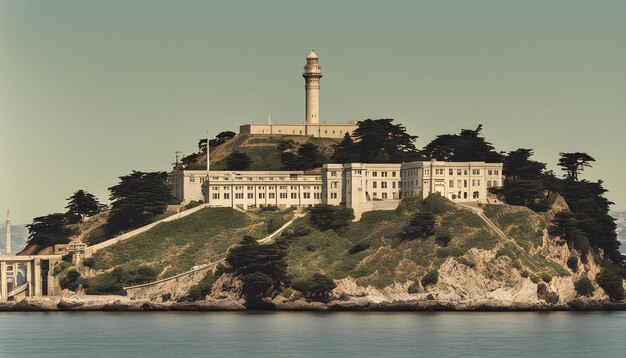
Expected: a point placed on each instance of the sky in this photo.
(90, 90)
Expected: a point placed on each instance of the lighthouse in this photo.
(312, 75)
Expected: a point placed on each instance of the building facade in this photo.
(311, 127)
(360, 186)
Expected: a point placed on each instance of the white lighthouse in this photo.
(312, 74)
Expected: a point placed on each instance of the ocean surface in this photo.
(288, 334)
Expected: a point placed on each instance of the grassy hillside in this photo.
(385, 258)
(262, 150)
(177, 246)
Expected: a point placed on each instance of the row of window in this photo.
(226, 196)
(262, 187)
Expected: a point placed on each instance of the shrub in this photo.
(584, 287)
(572, 263)
(89, 262)
(202, 289)
(103, 284)
(274, 224)
(546, 278)
(95, 236)
(71, 280)
(430, 278)
(415, 287)
(534, 279)
(301, 230)
(326, 217)
(269, 208)
(525, 274)
(315, 286)
(611, 282)
(421, 226)
(444, 238)
(192, 204)
(361, 246)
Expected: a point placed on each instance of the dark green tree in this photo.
(574, 163)
(262, 268)
(136, 200)
(238, 161)
(308, 156)
(464, 147)
(612, 283)
(421, 226)
(520, 191)
(345, 151)
(49, 230)
(318, 285)
(378, 140)
(81, 204)
(518, 165)
(327, 217)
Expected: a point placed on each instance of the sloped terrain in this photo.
(263, 150)
(174, 247)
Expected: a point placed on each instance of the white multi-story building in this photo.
(360, 186)
(365, 187)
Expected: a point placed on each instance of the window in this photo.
(261, 195)
(438, 171)
(282, 187)
(333, 184)
(450, 171)
(333, 174)
(272, 195)
(451, 184)
(226, 195)
(250, 195)
(215, 196)
(374, 195)
(383, 185)
(283, 195)
(384, 195)
(333, 195)
(383, 174)
(426, 171)
(250, 188)
(238, 195)
(464, 171)
(294, 195)
(316, 195)
(478, 182)
(496, 172)
(393, 185)
(475, 195)
(475, 171)
(306, 195)
(465, 183)
(374, 184)
(393, 174)
(192, 180)
(458, 172)
(489, 172)
(374, 174)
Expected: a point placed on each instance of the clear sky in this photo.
(90, 90)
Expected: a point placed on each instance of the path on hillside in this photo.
(479, 211)
(266, 240)
(90, 250)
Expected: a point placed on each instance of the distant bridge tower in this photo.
(312, 74)
(8, 252)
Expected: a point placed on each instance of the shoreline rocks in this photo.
(124, 304)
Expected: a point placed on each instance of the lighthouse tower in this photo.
(312, 74)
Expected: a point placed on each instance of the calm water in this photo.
(312, 334)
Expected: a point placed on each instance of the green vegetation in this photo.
(238, 161)
(430, 278)
(305, 157)
(611, 281)
(50, 230)
(584, 287)
(572, 263)
(317, 285)
(136, 200)
(262, 268)
(421, 226)
(177, 246)
(203, 288)
(80, 205)
(519, 223)
(464, 147)
(327, 217)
